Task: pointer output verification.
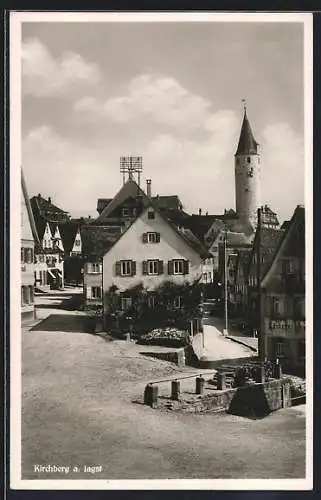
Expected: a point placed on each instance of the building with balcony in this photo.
(283, 297)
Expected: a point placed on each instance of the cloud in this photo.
(45, 76)
(282, 170)
(160, 99)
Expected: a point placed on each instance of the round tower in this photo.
(247, 176)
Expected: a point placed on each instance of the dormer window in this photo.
(125, 212)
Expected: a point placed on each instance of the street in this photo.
(81, 407)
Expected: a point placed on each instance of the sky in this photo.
(171, 92)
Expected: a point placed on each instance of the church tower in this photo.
(247, 176)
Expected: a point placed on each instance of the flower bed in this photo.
(167, 337)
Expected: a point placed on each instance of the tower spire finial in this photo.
(244, 105)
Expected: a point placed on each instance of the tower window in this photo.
(248, 159)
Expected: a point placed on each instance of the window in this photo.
(151, 300)
(288, 266)
(25, 295)
(126, 267)
(205, 277)
(22, 255)
(77, 243)
(125, 211)
(177, 302)
(96, 292)
(125, 303)
(153, 237)
(248, 159)
(151, 214)
(93, 267)
(276, 306)
(41, 258)
(279, 349)
(153, 266)
(178, 267)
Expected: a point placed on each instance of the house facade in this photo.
(150, 252)
(283, 298)
(49, 262)
(29, 241)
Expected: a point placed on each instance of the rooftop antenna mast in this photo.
(131, 165)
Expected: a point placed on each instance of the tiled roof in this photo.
(44, 205)
(167, 202)
(68, 233)
(97, 240)
(102, 203)
(296, 227)
(40, 223)
(247, 144)
(270, 240)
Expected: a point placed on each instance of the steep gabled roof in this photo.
(40, 224)
(186, 235)
(297, 223)
(68, 233)
(247, 144)
(29, 210)
(42, 205)
(129, 189)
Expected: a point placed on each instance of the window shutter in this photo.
(170, 267)
(88, 295)
(157, 237)
(145, 267)
(160, 267)
(145, 238)
(185, 267)
(133, 264)
(118, 268)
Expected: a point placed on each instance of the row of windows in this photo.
(27, 295)
(152, 267)
(95, 292)
(26, 255)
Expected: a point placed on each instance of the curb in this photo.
(242, 343)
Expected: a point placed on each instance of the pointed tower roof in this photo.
(247, 144)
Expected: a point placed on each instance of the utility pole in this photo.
(225, 331)
(260, 333)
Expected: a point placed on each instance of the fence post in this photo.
(200, 382)
(176, 390)
(151, 395)
(221, 381)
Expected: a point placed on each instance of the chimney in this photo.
(149, 187)
(199, 211)
(206, 213)
(39, 195)
(49, 200)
